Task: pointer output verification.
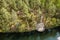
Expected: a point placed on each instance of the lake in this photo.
(34, 35)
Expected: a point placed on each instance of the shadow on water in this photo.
(34, 35)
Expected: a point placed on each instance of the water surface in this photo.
(53, 35)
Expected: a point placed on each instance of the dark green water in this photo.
(53, 35)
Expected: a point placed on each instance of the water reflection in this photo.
(31, 36)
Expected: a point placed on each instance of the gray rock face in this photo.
(40, 27)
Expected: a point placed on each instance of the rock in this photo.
(40, 27)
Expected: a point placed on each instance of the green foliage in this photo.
(23, 15)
